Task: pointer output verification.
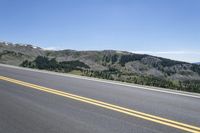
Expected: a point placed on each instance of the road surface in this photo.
(33, 101)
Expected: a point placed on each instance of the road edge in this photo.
(132, 85)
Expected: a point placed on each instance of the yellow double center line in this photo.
(116, 108)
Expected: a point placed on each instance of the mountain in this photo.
(108, 64)
(15, 54)
(197, 63)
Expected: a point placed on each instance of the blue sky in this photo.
(167, 28)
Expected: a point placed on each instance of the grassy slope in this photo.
(115, 65)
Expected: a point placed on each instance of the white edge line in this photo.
(157, 89)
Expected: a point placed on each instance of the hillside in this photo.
(107, 64)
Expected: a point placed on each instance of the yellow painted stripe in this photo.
(123, 110)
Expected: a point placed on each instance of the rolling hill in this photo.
(108, 64)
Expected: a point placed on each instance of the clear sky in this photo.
(168, 28)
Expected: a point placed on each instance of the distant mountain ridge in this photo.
(109, 64)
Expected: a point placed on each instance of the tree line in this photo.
(188, 85)
(42, 62)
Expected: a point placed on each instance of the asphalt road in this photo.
(27, 110)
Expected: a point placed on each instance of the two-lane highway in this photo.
(36, 101)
